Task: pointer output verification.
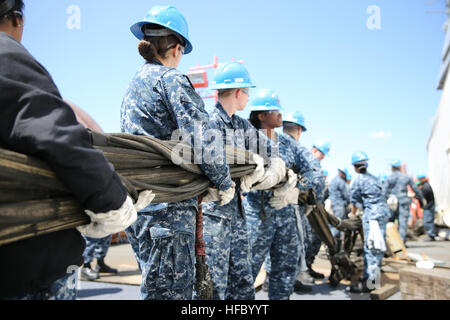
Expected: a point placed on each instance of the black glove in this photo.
(351, 224)
(312, 198)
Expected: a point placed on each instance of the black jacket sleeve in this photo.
(36, 121)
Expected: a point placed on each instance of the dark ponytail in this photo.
(152, 47)
(7, 7)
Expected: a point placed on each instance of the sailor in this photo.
(271, 214)
(340, 199)
(36, 121)
(320, 150)
(161, 102)
(366, 191)
(397, 184)
(226, 234)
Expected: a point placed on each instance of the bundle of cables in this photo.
(34, 202)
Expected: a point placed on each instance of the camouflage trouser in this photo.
(372, 258)
(278, 236)
(166, 258)
(312, 242)
(62, 289)
(428, 221)
(403, 217)
(96, 248)
(301, 245)
(228, 257)
(299, 213)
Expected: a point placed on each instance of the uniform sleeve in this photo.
(389, 185)
(188, 112)
(355, 195)
(345, 193)
(305, 170)
(37, 122)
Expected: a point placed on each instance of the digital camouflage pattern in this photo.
(340, 199)
(312, 240)
(397, 184)
(62, 289)
(161, 102)
(225, 228)
(96, 248)
(367, 191)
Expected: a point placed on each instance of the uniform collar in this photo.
(156, 61)
(223, 114)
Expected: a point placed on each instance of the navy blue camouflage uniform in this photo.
(159, 102)
(275, 231)
(312, 240)
(96, 248)
(397, 184)
(368, 192)
(225, 229)
(340, 199)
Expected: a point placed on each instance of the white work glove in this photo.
(273, 175)
(286, 194)
(283, 201)
(392, 202)
(248, 180)
(105, 224)
(375, 239)
(222, 197)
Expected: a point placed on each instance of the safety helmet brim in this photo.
(231, 86)
(300, 125)
(264, 108)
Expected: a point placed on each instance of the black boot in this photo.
(315, 274)
(300, 287)
(102, 267)
(360, 287)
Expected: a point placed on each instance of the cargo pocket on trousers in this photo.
(174, 269)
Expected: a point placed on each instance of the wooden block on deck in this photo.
(422, 284)
(384, 292)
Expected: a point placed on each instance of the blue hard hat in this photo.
(323, 145)
(348, 177)
(344, 170)
(296, 118)
(265, 100)
(168, 17)
(231, 75)
(359, 156)
(421, 176)
(396, 163)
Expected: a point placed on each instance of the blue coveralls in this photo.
(96, 248)
(367, 191)
(397, 184)
(275, 231)
(340, 199)
(312, 240)
(226, 236)
(159, 102)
